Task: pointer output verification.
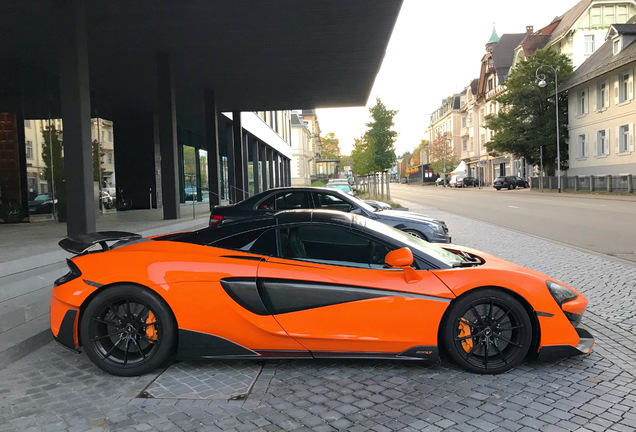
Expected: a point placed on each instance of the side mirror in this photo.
(399, 258)
(403, 258)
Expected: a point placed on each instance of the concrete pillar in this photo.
(76, 115)
(212, 144)
(237, 133)
(246, 158)
(168, 138)
(276, 169)
(262, 150)
(256, 169)
(270, 166)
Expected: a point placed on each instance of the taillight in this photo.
(215, 219)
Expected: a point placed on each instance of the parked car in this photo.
(306, 284)
(509, 182)
(440, 180)
(42, 204)
(345, 187)
(190, 194)
(290, 198)
(467, 181)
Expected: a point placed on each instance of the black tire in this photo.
(498, 188)
(415, 234)
(526, 185)
(124, 204)
(119, 334)
(511, 187)
(12, 212)
(487, 331)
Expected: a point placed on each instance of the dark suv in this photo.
(509, 182)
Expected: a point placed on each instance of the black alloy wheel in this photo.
(128, 330)
(487, 331)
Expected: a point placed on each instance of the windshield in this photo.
(414, 243)
(342, 186)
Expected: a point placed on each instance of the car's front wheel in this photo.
(416, 234)
(128, 330)
(487, 331)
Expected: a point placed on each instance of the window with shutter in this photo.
(616, 96)
(600, 143)
(623, 138)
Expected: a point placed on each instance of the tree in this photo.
(380, 137)
(526, 122)
(440, 154)
(52, 154)
(361, 159)
(330, 146)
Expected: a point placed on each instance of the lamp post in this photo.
(541, 83)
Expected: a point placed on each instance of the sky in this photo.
(435, 51)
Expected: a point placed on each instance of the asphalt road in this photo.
(599, 223)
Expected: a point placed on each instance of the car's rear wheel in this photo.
(511, 187)
(128, 330)
(498, 188)
(487, 331)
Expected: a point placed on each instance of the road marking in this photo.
(513, 206)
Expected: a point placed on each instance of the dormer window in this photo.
(617, 45)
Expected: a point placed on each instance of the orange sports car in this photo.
(306, 284)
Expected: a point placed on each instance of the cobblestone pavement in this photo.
(54, 389)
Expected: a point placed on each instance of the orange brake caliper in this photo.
(151, 328)
(464, 331)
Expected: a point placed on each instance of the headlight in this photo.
(560, 293)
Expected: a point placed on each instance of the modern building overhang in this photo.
(255, 54)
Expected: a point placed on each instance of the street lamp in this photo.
(541, 83)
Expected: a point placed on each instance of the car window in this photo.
(333, 245)
(285, 201)
(327, 201)
(260, 241)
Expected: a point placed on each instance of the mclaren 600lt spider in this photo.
(306, 284)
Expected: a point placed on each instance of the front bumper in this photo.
(554, 352)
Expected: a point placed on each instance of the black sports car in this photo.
(290, 198)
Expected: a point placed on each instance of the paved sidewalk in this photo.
(55, 389)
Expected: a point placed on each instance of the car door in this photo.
(329, 290)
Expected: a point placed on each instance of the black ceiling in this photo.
(255, 54)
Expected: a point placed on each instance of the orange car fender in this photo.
(554, 327)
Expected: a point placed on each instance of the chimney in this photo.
(529, 29)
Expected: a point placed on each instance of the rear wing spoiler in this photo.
(81, 244)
